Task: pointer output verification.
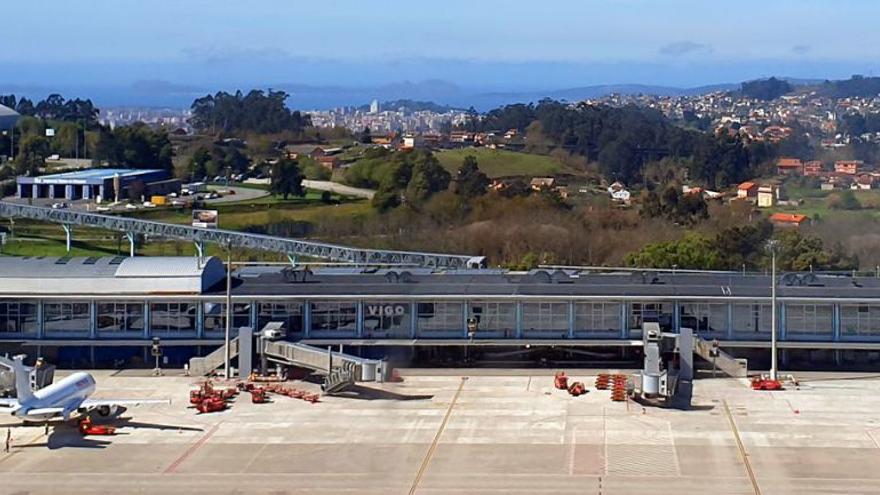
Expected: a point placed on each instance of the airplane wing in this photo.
(90, 404)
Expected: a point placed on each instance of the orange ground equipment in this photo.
(762, 383)
(258, 395)
(211, 404)
(618, 388)
(560, 381)
(86, 427)
(576, 389)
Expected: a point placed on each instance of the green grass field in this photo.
(501, 163)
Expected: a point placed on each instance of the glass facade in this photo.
(440, 319)
(384, 319)
(67, 318)
(333, 319)
(120, 317)
(596, 319)
(808, 320)
(653, 312)
(495, 319)
(289, 313)
(18, 317)
(215, 317)
(859, 320)
(545, 319)
(705, 319)
(751, 321)
(173, 319)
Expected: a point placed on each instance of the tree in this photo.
(198, 163)
(845, 200)
(313, 170)
(286, 179)
(470, 182)
(134, 146)
(428, 177)
(766, 89)
(258, 111)
(32, 153)
(693, 251)
(366, 136)
(799, 252)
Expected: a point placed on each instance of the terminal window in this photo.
(436, 317)
(596, 318)
(289, 313)
(18, 317)
(172, 318)
(66, 317)
(121, 317)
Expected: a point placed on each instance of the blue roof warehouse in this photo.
(98, 184)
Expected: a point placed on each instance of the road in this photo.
(241, 194)
(326, 185)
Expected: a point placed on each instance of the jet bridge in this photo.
(341, 370)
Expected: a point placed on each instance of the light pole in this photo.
(771, 245)
(226, 342)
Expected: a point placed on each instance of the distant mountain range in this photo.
(308, 97)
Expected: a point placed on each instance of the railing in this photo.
(231, 238)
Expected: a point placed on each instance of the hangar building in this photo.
(98, 183)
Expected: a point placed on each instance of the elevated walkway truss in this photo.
(229, 238)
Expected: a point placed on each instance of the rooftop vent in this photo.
(300, 275)
(398, 277)
(91, 260)
(63, 261)
(117, 260)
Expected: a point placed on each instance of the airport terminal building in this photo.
(83, 311)
(97, 184)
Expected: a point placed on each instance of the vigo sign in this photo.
(386, 309)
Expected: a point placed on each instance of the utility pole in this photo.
(773, 368)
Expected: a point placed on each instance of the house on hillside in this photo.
(296, 151)
(541, 183)
(767, 196)
(789, 166)
(619, 192)
(848, 167)
(747, 190)
(865, 182)
(788, 219)
(813, 168)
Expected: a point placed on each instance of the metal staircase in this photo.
(201, 366)
(731, 366)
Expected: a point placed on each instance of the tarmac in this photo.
(465, 432)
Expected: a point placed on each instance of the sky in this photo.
(486, 45)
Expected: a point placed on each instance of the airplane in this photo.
(67, 397)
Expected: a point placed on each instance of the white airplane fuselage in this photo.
(68, 393)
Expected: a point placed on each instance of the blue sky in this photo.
(489, 44)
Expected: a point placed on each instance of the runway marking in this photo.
(571, 450)
(742, 449)
(428, 455)
(874, 440)
(192, 449)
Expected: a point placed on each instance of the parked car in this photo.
(59, 206)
